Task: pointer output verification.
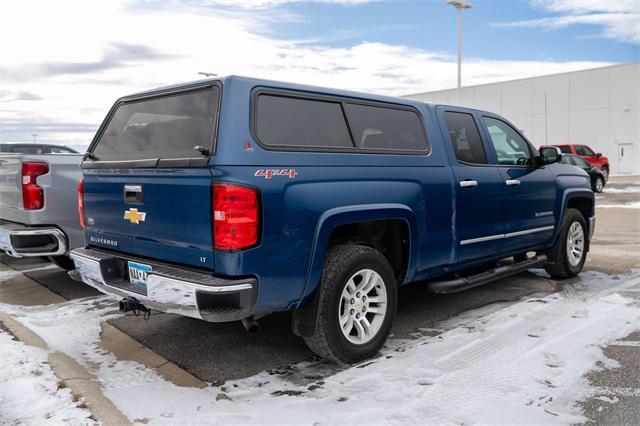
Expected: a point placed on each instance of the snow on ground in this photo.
(624, 190)
(632, 205)
(520, 363)
(29, 392)
(7, 275)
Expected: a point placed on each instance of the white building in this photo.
(597, 107)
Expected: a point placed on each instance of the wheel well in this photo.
(390, 237)
(584, 204)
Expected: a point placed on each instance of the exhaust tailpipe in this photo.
(251, 325)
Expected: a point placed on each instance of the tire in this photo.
(561, 262)
(347, 270)
(605, 170)
(599, 184)
(64, 262)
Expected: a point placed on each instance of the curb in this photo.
(124, 347)
(22, 333)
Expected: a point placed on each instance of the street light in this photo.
(460, 6)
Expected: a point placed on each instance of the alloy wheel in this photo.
(575, 244)
(363, 306)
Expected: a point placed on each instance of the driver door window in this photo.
(511, 148)
(584, 150)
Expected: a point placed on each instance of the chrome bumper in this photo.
(19, 240)
(592, 226)
(169, 289)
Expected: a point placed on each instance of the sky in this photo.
(64, 63)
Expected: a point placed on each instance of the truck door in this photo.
(478, 218)
(529, 191)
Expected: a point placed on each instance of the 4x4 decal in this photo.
(269, 173)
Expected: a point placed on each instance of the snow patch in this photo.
(632, 205)
(521, 363)
(29, 392)
(624, 190)
(7, 275)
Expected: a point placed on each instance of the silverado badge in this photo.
(134, 216)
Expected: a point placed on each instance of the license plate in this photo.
(138, 273)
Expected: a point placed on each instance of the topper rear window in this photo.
(166, 127)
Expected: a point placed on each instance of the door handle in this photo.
(133, 194)
(468, 183)
(512, 182)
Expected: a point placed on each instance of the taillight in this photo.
(235, 216)
(32, 194)
(83, 223)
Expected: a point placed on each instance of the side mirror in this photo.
(598, 155)
(549, 155)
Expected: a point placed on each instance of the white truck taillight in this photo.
(235, 216)
(32, 194)
(83, 223)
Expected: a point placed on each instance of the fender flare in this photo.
(333, 218)
(566, 196)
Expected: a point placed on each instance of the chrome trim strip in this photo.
(512, 182)
(529, 231)
(481, 239)
(510, 234)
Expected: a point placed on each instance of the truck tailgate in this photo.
(162, 214)
(10, 183)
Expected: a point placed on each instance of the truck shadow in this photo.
(225, 351)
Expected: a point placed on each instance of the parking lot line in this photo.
(625, 343)
(613, 391)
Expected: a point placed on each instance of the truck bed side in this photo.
(59, 185)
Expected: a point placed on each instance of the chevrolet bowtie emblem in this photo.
(134, 216)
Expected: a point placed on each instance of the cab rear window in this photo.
(160, 128)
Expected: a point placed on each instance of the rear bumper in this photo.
(169, 289)
(20, 240)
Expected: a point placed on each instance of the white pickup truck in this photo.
(38, 206)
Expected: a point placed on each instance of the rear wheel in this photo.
(599, 185)
(355, 305)
(567, 256)
(605, 170)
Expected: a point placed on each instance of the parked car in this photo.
(233, 198)
(35, 148)
(598, 180)
(38, 207)
(583, 151)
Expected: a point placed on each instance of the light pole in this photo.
(460, 6)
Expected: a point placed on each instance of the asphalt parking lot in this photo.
(217, 353)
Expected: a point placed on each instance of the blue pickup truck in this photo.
(233, 198)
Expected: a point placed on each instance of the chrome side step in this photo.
(460, 284)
